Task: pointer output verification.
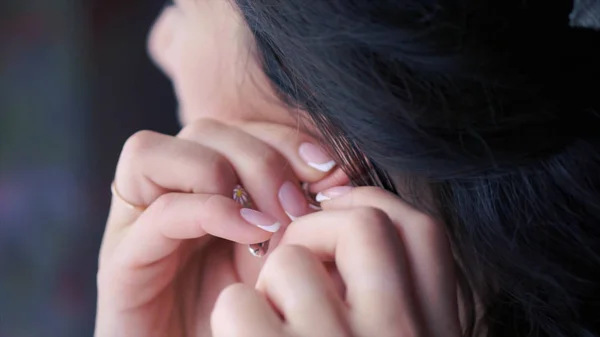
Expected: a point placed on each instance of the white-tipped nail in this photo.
(293, 218)
(271, 228)
(260, 220)
(321, 197)
(315, 157)
(325, 167)
(333, 192)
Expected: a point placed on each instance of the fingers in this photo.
(308, 160)
(262, 169)
(152, 164)
(208, 157)
(179, 216)
(241, 311)
(294, 296)
(298, 285)
(146, 257)
(370, 260)
(211, 157)
(426, 248)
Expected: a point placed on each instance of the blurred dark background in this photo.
(75, 81)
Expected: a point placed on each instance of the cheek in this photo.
(204, 88)
(214, 75)
(200, 77)
(191, 56)
(205, 73)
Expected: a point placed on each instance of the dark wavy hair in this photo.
(482, 113)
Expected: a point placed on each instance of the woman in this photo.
(476, 117)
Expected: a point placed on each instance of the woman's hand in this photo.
(395, 263)
(155, 276)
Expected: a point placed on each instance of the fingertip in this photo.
(316, 157)
(347, 197)
(328, 197)
(336, 178)
(240, 309)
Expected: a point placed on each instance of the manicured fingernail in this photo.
(310, 197)
(332, 193)
(260, 220)
(315, 157)
(292, 200)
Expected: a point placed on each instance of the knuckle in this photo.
(409, 219)
(268, 161)
(433, 234)
(232, 293)
(369, 217)
(139, 142)
(369, 223)
(229, 308)
(425, 222)
(228, 299)
(423, 226)
(215, 169)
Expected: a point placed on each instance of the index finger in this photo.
(371, 261)
(427, 250)
(308, 160)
